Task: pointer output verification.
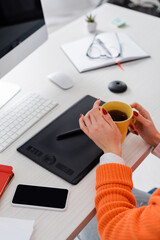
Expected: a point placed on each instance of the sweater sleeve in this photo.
(111, 158)
(117, 215)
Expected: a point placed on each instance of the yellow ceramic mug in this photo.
(122, 125)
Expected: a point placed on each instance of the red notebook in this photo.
(6, 173)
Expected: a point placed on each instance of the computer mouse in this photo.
(61, 79)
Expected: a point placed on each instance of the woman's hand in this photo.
(144, 126)
(101, 129)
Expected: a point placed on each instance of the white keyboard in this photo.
(24, 114)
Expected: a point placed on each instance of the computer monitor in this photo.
(22, 30)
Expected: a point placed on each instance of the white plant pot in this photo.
(91, 27)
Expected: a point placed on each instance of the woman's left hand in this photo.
(101, 129)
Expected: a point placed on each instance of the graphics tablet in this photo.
(70, 158)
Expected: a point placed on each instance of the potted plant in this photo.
(91, 23)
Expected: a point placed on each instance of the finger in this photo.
(87, 119)
(131, 126)
(140, 118)
(133, 122)
(107, 118)
(134, 131)
(93, 114)
(96, 115)
(131, 130)
(137, 106)
(96, 104)
(83, 127)
(142, 111)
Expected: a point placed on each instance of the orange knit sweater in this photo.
(117, 215)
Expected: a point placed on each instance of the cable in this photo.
(99, 4)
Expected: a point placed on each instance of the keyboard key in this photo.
(22, 116)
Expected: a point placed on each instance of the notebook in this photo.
(16, 229)
(76, 51)
(71, 158)
(6, 174)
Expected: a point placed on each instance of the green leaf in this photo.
(90, 18)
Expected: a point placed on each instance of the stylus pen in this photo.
(68, 134)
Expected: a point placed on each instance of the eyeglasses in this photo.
(98, 49)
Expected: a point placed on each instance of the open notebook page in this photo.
(76, 52)
(15, 229)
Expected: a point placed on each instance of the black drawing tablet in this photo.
(71, 158)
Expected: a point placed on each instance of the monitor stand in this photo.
(7, 91)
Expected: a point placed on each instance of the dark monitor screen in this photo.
(18, 20)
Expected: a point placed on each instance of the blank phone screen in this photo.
(40, 196)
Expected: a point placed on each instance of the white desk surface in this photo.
(143, 80)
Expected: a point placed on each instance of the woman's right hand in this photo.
(144, 125)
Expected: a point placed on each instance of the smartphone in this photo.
(41, 197)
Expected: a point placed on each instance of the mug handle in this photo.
(134, 120)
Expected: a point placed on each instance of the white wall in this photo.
(57, 11)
